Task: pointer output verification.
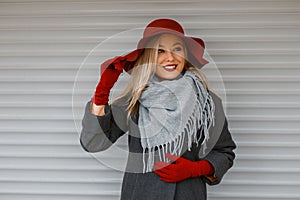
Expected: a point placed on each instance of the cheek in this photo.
(180, 56)
(159, 59)
(180, 68)
(181, 60)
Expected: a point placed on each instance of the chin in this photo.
(168, 76)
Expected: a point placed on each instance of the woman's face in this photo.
(171, 57)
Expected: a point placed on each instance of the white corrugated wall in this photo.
(255, 44)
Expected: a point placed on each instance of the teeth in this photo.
(170, 67)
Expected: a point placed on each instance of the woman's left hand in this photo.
(182, 169)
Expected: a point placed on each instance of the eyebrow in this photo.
(177, 43)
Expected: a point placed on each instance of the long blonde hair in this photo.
(144, 68)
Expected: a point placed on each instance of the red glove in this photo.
(182, 169)
(110, 71)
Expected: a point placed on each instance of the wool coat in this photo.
(100, 132)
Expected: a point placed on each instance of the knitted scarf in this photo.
(171, 113)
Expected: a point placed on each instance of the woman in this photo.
(177, 131)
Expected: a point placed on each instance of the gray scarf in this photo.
(171, 112)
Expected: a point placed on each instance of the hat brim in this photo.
(195, 49)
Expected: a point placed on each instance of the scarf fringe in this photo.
(201, 118)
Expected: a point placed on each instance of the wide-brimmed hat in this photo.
(195, 46)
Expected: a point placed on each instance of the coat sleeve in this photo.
(99, 132)
(221, 155)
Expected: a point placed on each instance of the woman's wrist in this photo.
(98, 110)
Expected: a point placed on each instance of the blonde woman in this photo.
(177, 131)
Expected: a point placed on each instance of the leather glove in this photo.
(110, 71)
(182, 169)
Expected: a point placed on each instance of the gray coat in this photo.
(99, 133)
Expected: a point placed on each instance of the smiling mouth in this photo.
(170, 67)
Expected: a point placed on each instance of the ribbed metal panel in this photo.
(255, 44)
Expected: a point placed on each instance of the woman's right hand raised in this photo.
(110, 71)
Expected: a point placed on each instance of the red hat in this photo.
(195, 46)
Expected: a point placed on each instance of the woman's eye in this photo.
(161, 51)
(178, 49)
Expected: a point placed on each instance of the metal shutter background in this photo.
(255, 44)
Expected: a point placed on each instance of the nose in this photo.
(170, 56)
